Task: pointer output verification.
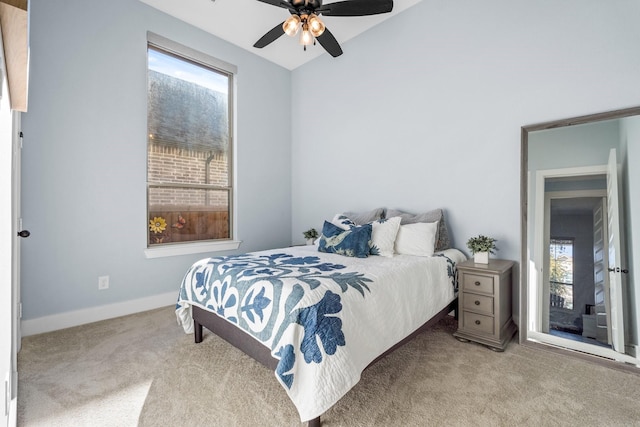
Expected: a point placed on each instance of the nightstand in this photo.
(484, 303)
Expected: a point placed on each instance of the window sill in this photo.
(191, 248)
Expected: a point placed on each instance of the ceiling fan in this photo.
(305, 15)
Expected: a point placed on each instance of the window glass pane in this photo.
(188, 120)
(178, 165)
(561, 260)
(561, 273)
(561, 295)
(188, 150)
(187, 214)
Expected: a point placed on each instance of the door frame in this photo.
(534, 313)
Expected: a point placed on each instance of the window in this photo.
(561, 273)
(189, 149)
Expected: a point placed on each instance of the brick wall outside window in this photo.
(179, 165)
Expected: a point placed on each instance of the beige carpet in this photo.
(143, 370)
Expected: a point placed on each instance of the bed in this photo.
(317, 318)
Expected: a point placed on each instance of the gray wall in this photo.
(84, 159)
(425, 110)
(574, 146)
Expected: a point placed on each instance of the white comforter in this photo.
(324, 316)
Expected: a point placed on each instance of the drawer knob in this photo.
(477, 283)
(477, 322)
(477, 303)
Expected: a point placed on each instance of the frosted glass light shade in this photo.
(291, 25)
(316, 26)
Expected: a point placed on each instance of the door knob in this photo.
(24, 233)
(618, 270)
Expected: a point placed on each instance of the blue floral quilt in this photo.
(325, 317)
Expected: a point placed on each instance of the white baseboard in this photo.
(69, 319)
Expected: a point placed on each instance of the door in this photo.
(8, 350)
(600, 273)
(18, 233)
(615, 255)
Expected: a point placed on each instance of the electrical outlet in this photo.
(103, 282)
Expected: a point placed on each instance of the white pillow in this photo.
(383, 236)
(417, 239)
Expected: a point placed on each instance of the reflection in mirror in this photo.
(580, 231)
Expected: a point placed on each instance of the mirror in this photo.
(580, 234)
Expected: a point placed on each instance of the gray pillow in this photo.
(442, 237)
(361, 218)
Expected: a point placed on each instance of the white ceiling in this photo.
(243, 22)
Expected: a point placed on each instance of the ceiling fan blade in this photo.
(270, 37)
(356, 8)
(329, 43)
(280, 3)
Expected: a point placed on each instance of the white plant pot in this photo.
(481, 257)
(310, 241)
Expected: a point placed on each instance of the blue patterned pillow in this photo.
(383, 233)
(343, 221)
(353, 242)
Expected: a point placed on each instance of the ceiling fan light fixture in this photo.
(291, 25)
(316, 26)
(306, 14)
(306, 38)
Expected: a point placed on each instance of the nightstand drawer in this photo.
(478, 323)
(477, 283)
(478, 303)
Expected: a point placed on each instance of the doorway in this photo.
(572, 217)
(576, 242)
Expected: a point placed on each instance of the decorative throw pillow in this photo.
(437, 215)
(361, 218)
(416, 239)
(343, 221)
(353, 242)
(383, 233)
(383, 236)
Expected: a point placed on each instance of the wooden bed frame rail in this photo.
(254, 349)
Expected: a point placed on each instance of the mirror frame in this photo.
(523, 315)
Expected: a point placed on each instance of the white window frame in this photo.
(233, 243)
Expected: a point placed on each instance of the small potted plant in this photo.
(311, 235)
(481, 247)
